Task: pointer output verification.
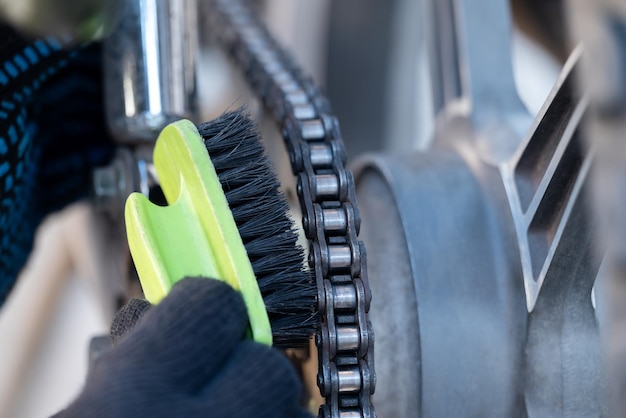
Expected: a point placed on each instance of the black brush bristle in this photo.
(260, 212)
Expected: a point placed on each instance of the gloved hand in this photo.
(187, 357)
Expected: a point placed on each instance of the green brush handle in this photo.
(195, 235)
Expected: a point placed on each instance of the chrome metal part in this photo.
(548, 188)
(321, 156)
(331, 220)
(344, 297)
(334, 220)
(326, 186)
(150, 67)
(347, 338)
(339, 258)
(349, 379)
(541, 177)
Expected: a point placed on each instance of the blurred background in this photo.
(372, 57)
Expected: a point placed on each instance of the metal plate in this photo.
(448, 303)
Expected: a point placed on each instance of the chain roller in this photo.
(326, 191)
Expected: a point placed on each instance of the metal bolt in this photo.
(113, 183)
(108, 186)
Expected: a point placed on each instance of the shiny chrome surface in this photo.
(150, 57)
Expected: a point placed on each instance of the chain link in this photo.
(345, 339)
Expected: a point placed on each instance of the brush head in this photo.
(260, 211)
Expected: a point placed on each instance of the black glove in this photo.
(127, 318)
(187, 357)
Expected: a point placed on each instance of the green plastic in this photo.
(195, 235)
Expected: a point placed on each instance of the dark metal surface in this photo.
(464, 284)
(549, 197)
(359, 63)
(601, 27)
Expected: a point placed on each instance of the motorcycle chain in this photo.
(326, 190)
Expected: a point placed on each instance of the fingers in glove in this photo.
(257, 381)
(188, 335)
(127, 317)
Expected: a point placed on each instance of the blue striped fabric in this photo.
(52, 133)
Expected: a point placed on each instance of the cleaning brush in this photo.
(192, 236)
